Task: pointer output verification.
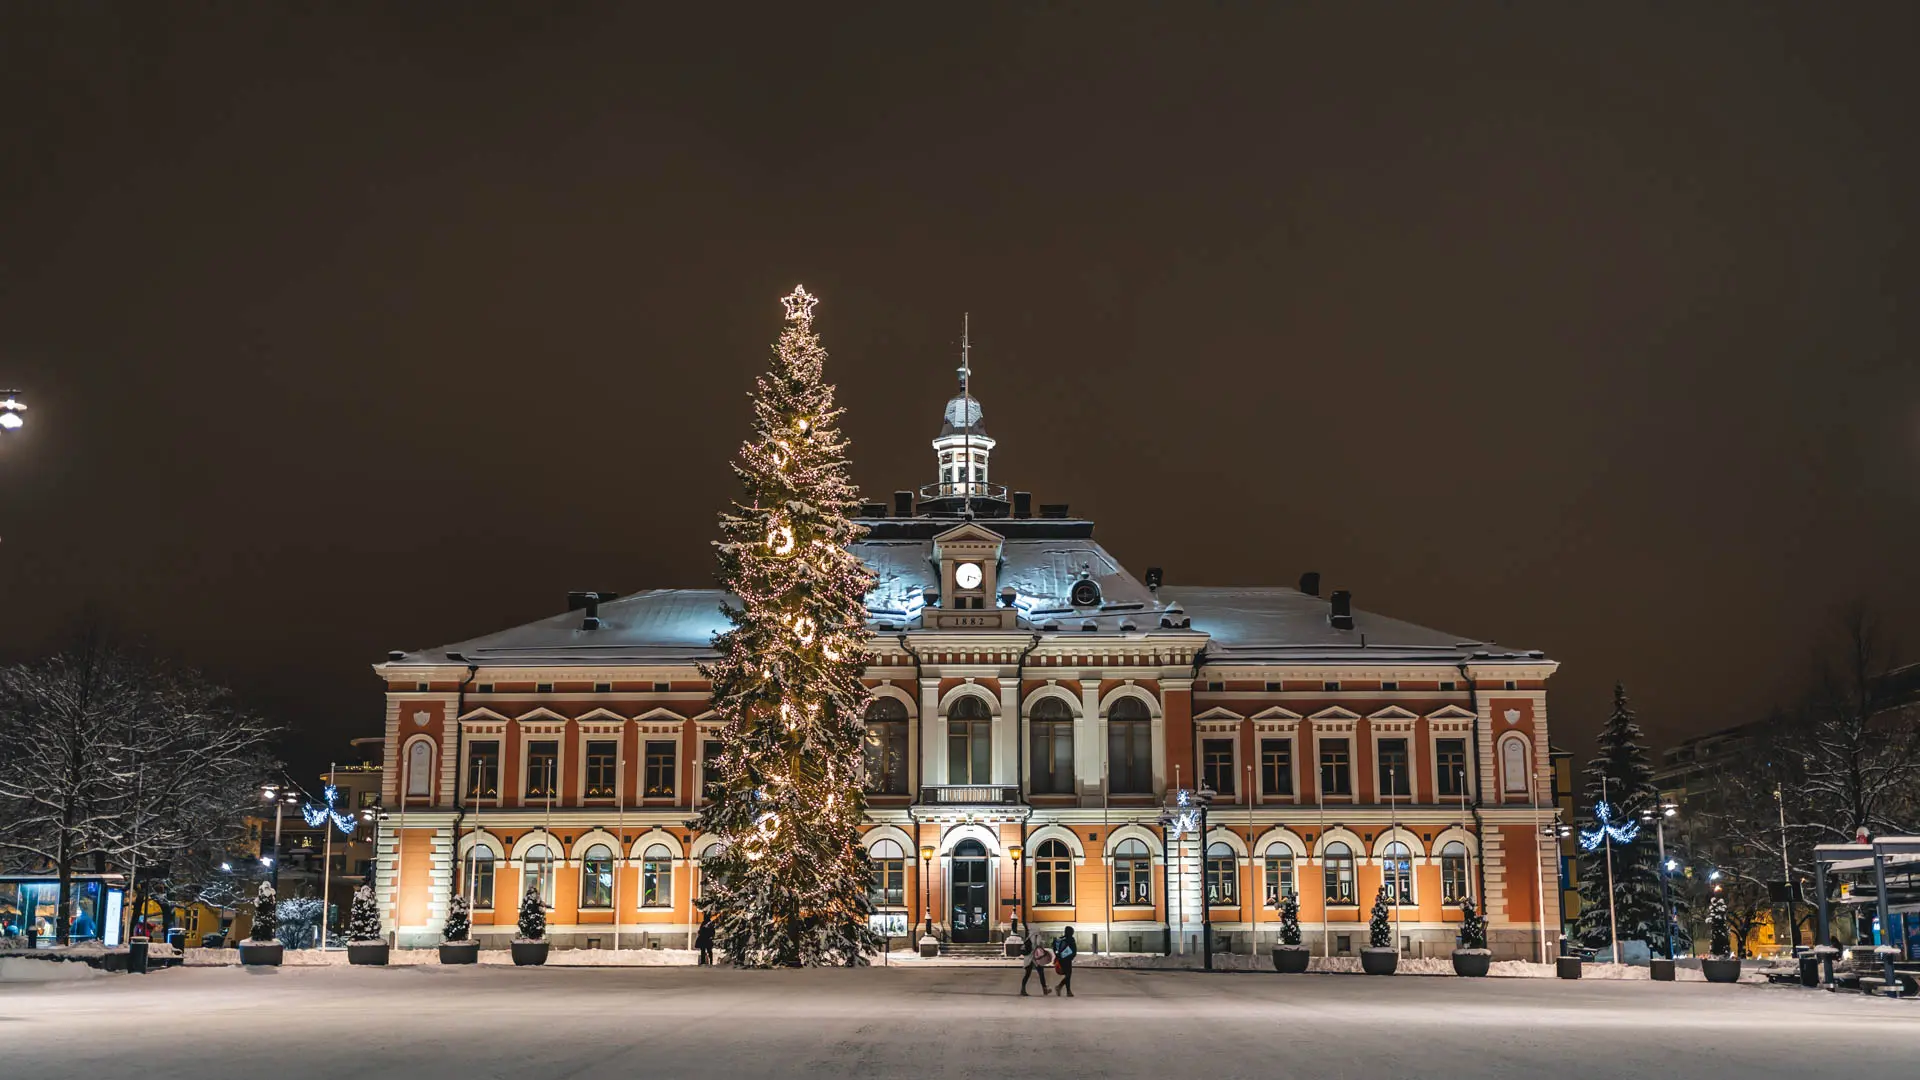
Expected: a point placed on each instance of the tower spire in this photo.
(966, 394)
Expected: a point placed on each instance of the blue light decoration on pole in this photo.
(1606, 832)
(318, 817)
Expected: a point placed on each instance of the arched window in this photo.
(707, 862)
(656, 877)
(1279, 873)
(1454, 885)
(1513, 766)
(1130, 747)
(886, 747)
(1132, 873)
(420, 768)
(596, 877)
(969, 741)
(536, 871)
(1338, 863)
(1053, 874)
(889, 864)
(1052, 728)
(1223, 874)
(1396, 873)
(479, 883)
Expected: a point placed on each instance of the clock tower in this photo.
(969, 560)
(962, 449)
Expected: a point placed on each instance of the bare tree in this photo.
(111, 756)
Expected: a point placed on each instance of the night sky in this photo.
(383, 326)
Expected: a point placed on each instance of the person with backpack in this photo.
(1063, 954)
(703, 940)
(1038, 960)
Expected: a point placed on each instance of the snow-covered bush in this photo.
(1289, 920)
(266, 921)
(1379, 929)
(366, 916)
(1473, 926)
(1720, 943)
(300, 922)
(533, 915)
(459, 920)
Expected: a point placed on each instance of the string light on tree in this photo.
(1605, 829)
(788, 882)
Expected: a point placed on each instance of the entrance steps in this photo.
(974, 951)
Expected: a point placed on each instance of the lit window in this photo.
(596, 877)
(536, 869)
(1053, 874)
(1276, 766)
(1396, 873)
(660, 770)
(1130, 747)
(886, 747)
(1338, 863)
(1223, 874)
(1279, 873)
(1453, 872)
(479, 883)
(656, 877)
(889, 873)
(1335, 777)
(1052, 728)
(1132, 873)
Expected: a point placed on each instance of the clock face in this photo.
(967, 575)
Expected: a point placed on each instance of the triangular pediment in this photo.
(1218, 713)
(968, 533)
(1393, 712)
(1276, 713)
(1450, 712)
(1335, 713)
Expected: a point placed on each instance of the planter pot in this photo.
(1567, 967)
(529, 953)
(1661, 969)
(460, 952)
(1291, 959)
(1379, 961)
(367, 953)
(261, 953)
(1472, 963)
(1719, 969)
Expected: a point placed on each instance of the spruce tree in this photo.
(1720, 942)
(533, 915)
(1629, 791)
(1289, 920)
(266, 914)
(459, 919)
(1380, 928)
(365, 924)
(789, 887)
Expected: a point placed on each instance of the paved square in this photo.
(929, 1024)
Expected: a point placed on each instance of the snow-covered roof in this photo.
(1242, 625)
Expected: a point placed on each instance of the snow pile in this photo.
(409, 957)
(22, 969)
(1344, 965)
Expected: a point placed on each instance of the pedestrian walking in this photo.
(1063, 954)
(703, 940)
(1038, 960)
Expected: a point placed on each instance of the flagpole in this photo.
(1326, 917)
(326, 865)
(620, 790)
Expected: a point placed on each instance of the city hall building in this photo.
(1036, 708)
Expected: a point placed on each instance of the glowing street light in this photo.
(10, 410)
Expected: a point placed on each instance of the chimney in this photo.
(1053, 510)
(1023, 504)
(873, 509)
(1310, 583)
(903, 504)
(589, 601)
(1341, 614)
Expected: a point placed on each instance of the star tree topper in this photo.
(799, 304)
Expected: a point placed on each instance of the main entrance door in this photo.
(970, 908)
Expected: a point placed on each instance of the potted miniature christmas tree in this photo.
(261, 948)
(530, 948)
(364, 943)
(1290, 957)
(1379, 957)
(459, 946)
(1722, 966)
(1472, 958)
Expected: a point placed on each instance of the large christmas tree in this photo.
(1621, 775)
(790, 885)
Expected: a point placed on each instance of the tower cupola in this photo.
(962, 449)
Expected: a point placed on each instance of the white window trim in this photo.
(547, 728)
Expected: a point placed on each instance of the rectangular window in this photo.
(1450, 758)
(1276, 766)
(543, 688)
(603, 688)
(1216, 687)
(602, 758)
(1330, 686)
(656, 879)
(710, 768)
(662, 688)
(887, 757)
(1446, 687)
(1335, 777)
(1275, 688)
(1216, 761)
(889, 885)
(480, 878)
(969, 751)
(543, 765)
(1130, 756)
(660, 769)
(1052, 757)
(1389, 685)
(1394, 782)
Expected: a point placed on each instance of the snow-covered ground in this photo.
(928, 1022)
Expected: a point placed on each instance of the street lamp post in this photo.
(1659, 820)
(1014, 852)
(926, 890)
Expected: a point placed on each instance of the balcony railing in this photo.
(970, 795)
(963, 489)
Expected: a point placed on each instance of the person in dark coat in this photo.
(1064, 951)
(1038, 960)
(703, 940)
